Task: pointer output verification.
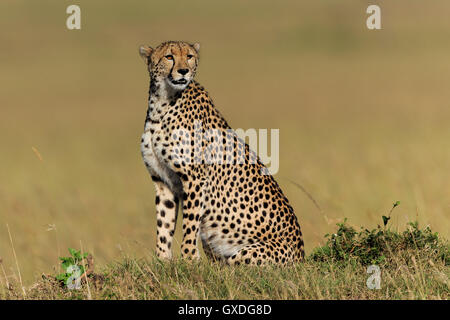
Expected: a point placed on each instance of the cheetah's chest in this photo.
(149, 146)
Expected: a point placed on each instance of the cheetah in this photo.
(235, 207)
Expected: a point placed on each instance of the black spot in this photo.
(169, 204)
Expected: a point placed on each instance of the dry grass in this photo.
(363, 117)
(131, 278)
(413, 264)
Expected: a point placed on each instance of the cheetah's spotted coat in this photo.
(240, 213)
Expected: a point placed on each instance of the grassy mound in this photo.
(414, 264)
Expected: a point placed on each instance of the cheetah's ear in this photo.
(145, 52)
(197, 46)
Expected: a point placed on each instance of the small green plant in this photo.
(71, 264)
(386, 219)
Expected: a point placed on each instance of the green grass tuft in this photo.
(380, 245)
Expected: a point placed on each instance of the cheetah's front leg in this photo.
(166, 219)
(192, 215)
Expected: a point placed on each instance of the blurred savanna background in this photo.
(364, 116)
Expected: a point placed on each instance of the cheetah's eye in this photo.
(190, 56)
(169, 57)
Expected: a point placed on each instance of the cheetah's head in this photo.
(174, 62)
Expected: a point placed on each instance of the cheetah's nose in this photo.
(183, 71)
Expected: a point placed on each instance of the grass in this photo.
(414, 264)
(363, 116)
